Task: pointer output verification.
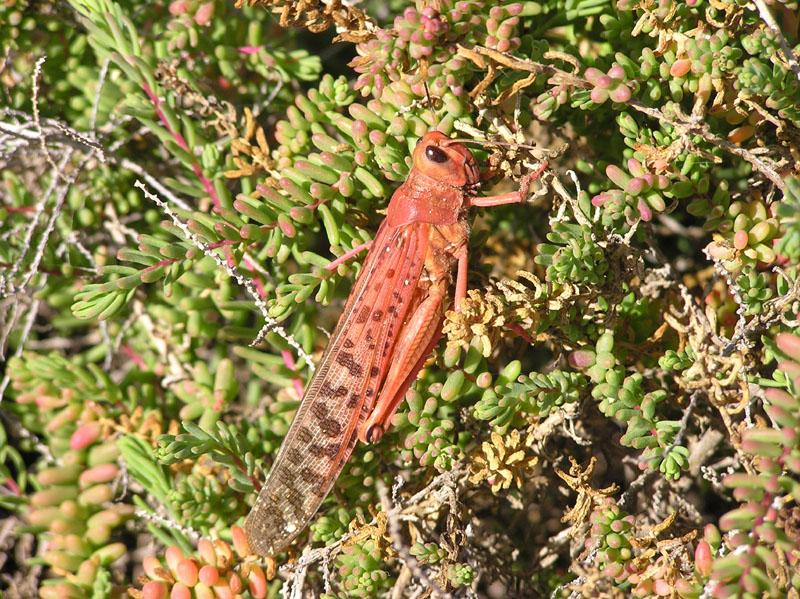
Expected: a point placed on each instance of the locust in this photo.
(391, 323)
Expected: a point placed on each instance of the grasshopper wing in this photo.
(342, 393)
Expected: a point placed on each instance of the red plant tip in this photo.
(789, 344)
(286, 226)
(703, 558)
(377, 138)
(635, 167)
(187, 571)
(740, 239)
(86, 435)
(359, 128)
(257, 582)
(620, 94)
(240, 541)
(208, 575)
(155, 589)
(617, 73)
(635, 186)
(204, 13)
(685, 588)
(103, 473)
(180, 591)
(484, 380)
(617, 175)
(222, 590)
(179, 7)
(604, 82)
(235, 583)
(662, 588)
(173, 554)
(680, 67)
(582, 358)
(205, 550)
(593, 75)
(644, 211)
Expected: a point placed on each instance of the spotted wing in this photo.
(342, 392)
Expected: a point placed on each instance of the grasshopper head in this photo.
(445, 160)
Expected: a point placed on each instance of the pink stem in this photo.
(136, 358)
(182, 144)
(521, 332)
(289, 361)
(229, 258)
(256, 280)
(12, 484)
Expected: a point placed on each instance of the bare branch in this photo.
(270, 323)
(405, 555)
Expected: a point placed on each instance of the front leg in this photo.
(349, 254)
(512, 197)
(461, 278)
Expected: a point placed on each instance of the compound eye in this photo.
(435, 154)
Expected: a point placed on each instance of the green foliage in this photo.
(516, 396)
(205, 502)
(789, 210)
(13, 472)
(572, 255)
(143, 468)
(610, 529)
(460, 575)
(360, 569)
(428, 553)
(428, 428)
(755, 291)
(644, 297)
(332, 527)
(229, 448)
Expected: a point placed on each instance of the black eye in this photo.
(435, 154)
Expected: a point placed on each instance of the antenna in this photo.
(489, 142)
(430, 105)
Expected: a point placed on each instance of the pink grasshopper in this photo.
(390, 325)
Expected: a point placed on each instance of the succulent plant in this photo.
(185, 190)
